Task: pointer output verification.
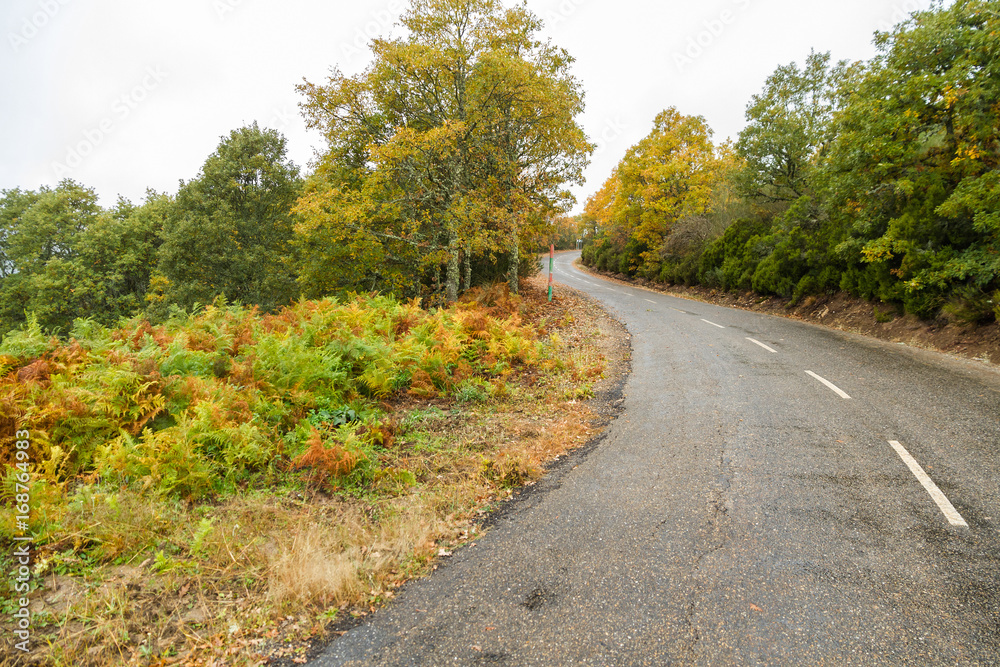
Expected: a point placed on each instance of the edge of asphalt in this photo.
(607, 404)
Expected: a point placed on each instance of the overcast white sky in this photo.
(124, 95)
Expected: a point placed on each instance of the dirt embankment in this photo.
(847, 313)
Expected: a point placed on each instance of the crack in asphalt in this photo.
(717, 506)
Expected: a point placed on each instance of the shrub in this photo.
(731, 260)
(970, 305)
(925, 304)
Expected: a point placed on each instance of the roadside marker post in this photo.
(552, 267)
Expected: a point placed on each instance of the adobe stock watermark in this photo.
(123, 107)
(281, 118)
(224, 8)
(612, 131)
(23, 541)
(712, 31)
(378, 22)
(32, 26)
(563, 12)
(900, 12)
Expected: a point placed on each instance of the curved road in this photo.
(774, 493)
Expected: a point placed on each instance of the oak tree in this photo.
(448, 146)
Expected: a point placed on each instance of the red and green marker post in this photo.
(552, 267)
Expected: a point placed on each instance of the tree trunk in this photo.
(454, 274)
(467, 281)
(436, 297)
(513, 279)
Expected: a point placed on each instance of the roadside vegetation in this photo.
(878, 179)
(227, 485)
(257, 406)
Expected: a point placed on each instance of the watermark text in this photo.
(123, 107)
(712, 30)
(32, 26)
(21, 576)
(612, 131)
(900, 12)
(563, 12)
(379, 21)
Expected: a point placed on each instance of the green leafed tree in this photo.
(62, 256)
(120, 248)
(789, 126)
(915, 166)
(230, 229)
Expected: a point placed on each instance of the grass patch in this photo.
(884, 316)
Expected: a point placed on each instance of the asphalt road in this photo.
(741, 511)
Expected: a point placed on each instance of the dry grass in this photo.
(311, 568)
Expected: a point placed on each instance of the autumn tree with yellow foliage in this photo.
(451, 150)
(667, 177)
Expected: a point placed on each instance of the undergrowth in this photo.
(227, 479)
(209, 403)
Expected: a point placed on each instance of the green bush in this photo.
(683, 269)
(925, 304)
(606, 259)
(773, 277)
(730, 261)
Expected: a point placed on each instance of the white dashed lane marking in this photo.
(949, 511)
(757, 342)
(840, 392)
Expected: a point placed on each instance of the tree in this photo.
(13, 205)
(447, 146)
(384, 233)
(588, 227)
(914, 168)
(533, 144)
(789, 124)
(669, 175)
(41, 234)
(560, 231)
(230, 231)
(119, 250)
(62, 256)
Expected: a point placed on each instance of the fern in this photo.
(205, 528)
(28, 342)
(188, 408)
